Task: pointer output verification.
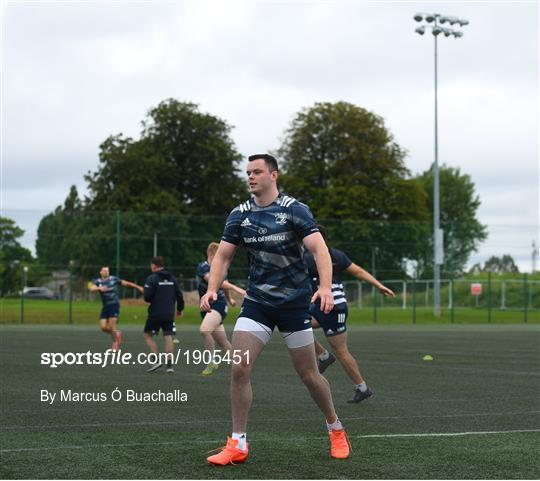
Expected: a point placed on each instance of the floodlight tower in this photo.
(434, 22)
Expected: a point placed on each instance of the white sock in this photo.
(362, 387)
(335, 425)
(241, 437)
(324, 356)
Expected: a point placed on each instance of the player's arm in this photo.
(132, 284)
(364, 275)
(150, 287)
(229, 286)
(220, 265)
(316, 245)
(93, 287)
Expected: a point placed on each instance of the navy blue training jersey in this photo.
(110, 296)
(202, 269)
(162, 291)
(340, 262)
(273, 237)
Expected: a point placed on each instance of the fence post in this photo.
(503, 295)
(117, 243)
(525, 297)
(70, 309)
(414, 301)
(24, 282)
(452, 308)
(374, 301)
(489, 296)
(404, 292)
(451, 286)
(373, 290)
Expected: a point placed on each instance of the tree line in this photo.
(182, 176)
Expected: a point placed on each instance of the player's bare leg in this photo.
(169, 349)
(112, 327)
(149, 339)
(341, 351)
(104, 325)
(319, 348)
(220, 336)
(209, 324)
(250, 347)
(305, 363)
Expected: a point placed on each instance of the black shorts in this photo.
(219, 306)
(287, 319)
(153, 326)
(333, 323)
(110, 310)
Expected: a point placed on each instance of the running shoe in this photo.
(340, 447)
(323, 365)
(229, 454)
(360, 396)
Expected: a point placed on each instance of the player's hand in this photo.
(140, 289)
(210, 296)
(232, 302)
(103, 289)
(179, 314)
(241, 291)
(326, 297)
(387, 292)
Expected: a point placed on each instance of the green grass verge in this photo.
(85, 312)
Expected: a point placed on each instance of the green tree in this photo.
(13, 256)
(501, 265)
(343, 162)
(459, 203)
(184, 162)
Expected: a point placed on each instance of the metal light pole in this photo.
(434, 21)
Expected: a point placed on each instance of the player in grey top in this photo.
(275, 229)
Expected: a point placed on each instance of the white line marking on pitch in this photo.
(272, 439)
(210, 421)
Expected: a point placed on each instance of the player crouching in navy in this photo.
(161, 290)
(333, 323)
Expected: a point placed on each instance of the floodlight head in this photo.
(453, 20)
(443, 20)
(447, 32)
(420, 30)
(430, 18)
(457, 34)
(418, 17)
(436, 31)
(462, 22)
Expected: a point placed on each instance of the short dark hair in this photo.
(269, 160)
(322, 230)
(157, 261)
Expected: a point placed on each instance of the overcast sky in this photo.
(75, 73)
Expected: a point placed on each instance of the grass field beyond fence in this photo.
(87, 312)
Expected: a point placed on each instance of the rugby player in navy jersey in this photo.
(212, 329)
(333, 323)
(274, 228)
(106, 286)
